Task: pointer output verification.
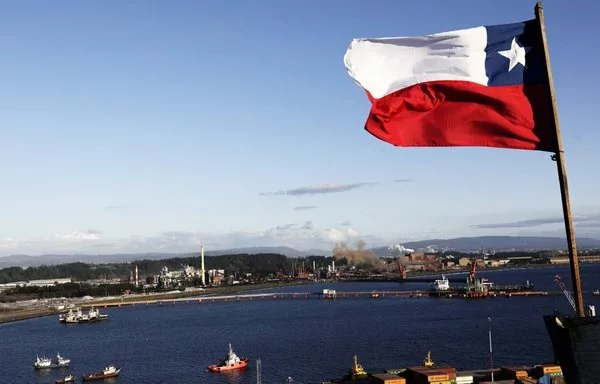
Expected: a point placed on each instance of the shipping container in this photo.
(387, 378)
(514, 372)
(464, 380)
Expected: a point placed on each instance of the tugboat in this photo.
(230, 362)
(374, 295)
(357, 372)
(66, 379)
(110, 371)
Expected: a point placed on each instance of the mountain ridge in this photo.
(465, 244)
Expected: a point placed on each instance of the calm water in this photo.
(309, 340)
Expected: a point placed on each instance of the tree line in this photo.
(259, 265)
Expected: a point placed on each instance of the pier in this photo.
(372, 295)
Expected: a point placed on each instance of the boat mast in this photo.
(562, 172)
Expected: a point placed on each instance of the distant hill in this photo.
(498, 243)
(464, 244)
(52, 259)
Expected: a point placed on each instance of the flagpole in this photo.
(562, 173)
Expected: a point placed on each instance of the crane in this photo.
(402, 270)
(472, 266)
(566, 292)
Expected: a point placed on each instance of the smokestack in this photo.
(202, 264)
(333, 266)
(136, 276)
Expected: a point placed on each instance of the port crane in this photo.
(402, 270)
(565, 291)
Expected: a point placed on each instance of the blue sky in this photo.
(159, 126)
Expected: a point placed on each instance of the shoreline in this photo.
(10, 316)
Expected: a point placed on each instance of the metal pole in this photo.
(562, 172)
(491, 356)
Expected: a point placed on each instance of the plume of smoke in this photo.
(355, 256)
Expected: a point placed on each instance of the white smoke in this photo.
(400, 249)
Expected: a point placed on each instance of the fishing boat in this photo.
(109, 371)
(46, 362)
(78, 316)
(66, 379)
(62, 362)
(229, 363)
(42, 362)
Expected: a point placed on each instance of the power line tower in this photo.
(258, 372)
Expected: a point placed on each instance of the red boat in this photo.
(229, 363)
(109, 371)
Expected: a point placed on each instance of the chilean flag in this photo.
(483, 86)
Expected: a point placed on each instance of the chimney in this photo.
(202, 264)
(333, 266)
(137, 280)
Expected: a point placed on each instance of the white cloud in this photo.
(297, 235)
(90, 234)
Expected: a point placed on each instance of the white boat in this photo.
(44, 362)
(69, 317)
(66, 379)
(78, 316)
(596, 292)
(62, 362)
(441, 285)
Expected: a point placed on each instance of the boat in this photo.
(596, 292)
(78, 316)
(43, 362)
(329, 293)
(109, 371)
(46, 362)
(575, 342)
(69, 317)
(442, 284)
(62, 362)
(357, 372)
(374, 295)
(229, 363)
(66, 379)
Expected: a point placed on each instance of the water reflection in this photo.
(233, 377)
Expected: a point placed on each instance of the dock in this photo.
(332, 295)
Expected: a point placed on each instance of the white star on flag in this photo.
(516, 54)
